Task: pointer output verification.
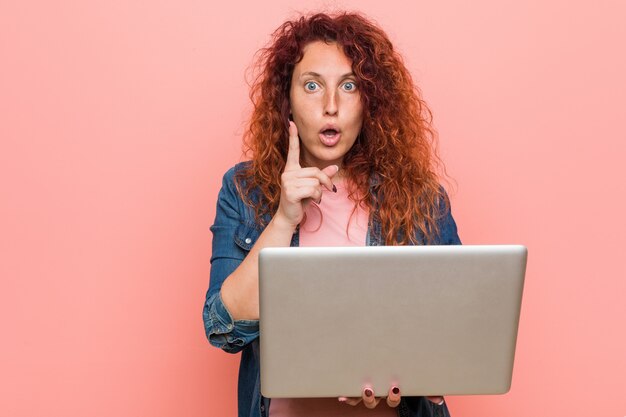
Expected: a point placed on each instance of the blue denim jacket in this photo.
(235, 231)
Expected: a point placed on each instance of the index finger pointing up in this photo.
(293, 154)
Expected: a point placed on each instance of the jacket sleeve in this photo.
(448, 234)
(227, 254)
(421, 407)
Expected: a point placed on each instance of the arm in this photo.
(232, 303)
(231, 309)
(228, 252)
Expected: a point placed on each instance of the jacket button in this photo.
(248, 240)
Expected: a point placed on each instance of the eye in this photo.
(349, 86)
(311, 86)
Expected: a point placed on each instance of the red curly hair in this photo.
(393, 164)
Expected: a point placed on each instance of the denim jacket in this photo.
(235, 231)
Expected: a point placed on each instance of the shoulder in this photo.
(235, 177)
(238, 187)
(236, 171)
(230, 183)
(448, 233)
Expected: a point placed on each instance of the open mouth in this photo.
(330, 136)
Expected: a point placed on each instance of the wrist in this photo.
(282, 224)
(436, 400)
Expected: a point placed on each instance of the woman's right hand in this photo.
(300, 186)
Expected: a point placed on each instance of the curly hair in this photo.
(394, 162)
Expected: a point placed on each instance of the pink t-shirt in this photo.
(333, 224)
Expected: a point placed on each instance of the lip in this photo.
(330, 140)
(330, 126)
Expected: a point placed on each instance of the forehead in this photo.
(323, 58)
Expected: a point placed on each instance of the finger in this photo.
(290, 185)
(350, 400)
(324, 176)
(305, 182)
(393, 399)
(330, 172)
(303, 193)
(369, 400)
(317, 195)
(293, 153)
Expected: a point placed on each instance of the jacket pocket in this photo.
(246, 236)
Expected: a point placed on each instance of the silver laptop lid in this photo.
(431, 319)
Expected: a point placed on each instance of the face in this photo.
(325, 104)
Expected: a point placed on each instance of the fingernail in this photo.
(368, 392)
(342, 399)
(334, 188)
(337, 166)
(395, 390)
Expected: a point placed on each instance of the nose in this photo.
(330, 103)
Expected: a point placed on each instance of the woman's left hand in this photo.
(392, 399)
(371, 401)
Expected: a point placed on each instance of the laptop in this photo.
(433, 320)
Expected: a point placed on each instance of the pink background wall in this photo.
(117, 120)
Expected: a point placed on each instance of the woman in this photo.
(342, 154)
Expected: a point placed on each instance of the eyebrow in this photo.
(315, 74)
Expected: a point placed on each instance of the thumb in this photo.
(331, 170)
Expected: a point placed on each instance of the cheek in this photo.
(357, 112)
(357, 120)
(303, 112)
